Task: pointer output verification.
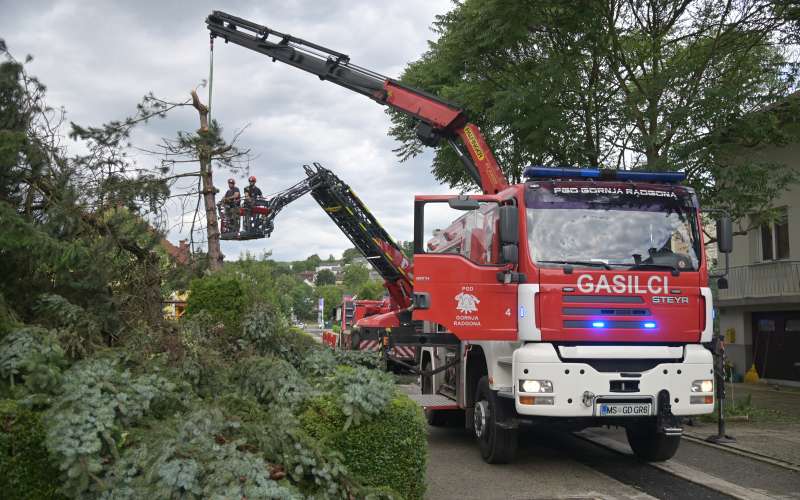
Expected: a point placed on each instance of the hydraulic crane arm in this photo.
(351, 215)
(437, 118)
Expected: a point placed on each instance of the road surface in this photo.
(596, 464)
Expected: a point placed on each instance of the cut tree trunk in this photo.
(209, 192)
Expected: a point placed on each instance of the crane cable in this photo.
(210, 74)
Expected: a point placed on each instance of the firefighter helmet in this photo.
(252, 178)
(231, 181)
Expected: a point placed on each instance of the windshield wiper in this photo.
(590, 263)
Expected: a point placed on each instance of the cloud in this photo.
(99, 58)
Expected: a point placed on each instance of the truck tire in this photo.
(498, 444)
(435, 418)
(649, 445)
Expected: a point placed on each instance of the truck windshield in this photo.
(620, 227)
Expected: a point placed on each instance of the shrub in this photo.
(367, 359)
(267, 330)
(388, 451)
(315, 468)
(87, 423)
(199, 456)
(272, 381)
(32, 355)
(25, 468)
(361, 393)
(78, 330)
(319, 363)
(221, 297)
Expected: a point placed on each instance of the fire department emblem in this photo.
(467, 303)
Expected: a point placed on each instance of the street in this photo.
(313, 331)
(562, 465)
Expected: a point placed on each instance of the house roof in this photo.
(179, 253)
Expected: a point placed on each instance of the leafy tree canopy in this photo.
(662, 85)
(350, 254)
(325, 277)
(355, 275)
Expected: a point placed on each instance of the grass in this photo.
(743, 408)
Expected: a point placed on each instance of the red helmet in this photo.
(252, 178)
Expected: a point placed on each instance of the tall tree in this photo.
(73, 236)
(354, 276)
(325, 277)
(626, 84)
(204, 156)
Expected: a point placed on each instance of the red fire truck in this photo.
(351, 312)
(577, 298)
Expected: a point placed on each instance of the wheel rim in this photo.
(481, 417)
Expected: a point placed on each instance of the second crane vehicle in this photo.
(577, 298)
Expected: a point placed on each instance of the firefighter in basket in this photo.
(230, 203)
(252, 197)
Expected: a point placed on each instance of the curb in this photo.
(680, 470)
(744, 452)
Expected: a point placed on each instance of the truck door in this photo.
(456, 266)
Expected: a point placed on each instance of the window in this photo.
(472, 234)
(792, 325)
(618, 230)
(766, 325)
(775, 237)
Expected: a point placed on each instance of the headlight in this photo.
(535, 386)
(703, 386)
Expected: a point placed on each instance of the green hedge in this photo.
(222, 298)
(25, 468)
(389, 451)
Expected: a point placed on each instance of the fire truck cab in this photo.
(580, 298)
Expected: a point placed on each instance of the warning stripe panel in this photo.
(369, 345)
(403, 352)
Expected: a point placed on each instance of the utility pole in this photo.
(204, 155)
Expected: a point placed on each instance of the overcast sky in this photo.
(99, 58)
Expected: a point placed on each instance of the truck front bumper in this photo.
(578, 389)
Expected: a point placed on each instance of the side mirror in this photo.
(463, 203)
(510, 253)
(722, 283)
(509, 225)
(724, 234)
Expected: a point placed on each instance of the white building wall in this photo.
(735, 321)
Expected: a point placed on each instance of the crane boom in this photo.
(350, 214)
(438, 119)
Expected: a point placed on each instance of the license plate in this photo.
(623, 409)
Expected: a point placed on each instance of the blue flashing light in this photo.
(598, 324)
(649, 325)
(604, 174)
(585, 173)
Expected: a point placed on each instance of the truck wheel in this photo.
(498, 444)
(650, 445)
(435, 418)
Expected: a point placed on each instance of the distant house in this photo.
(335, 266)
(175, 306)
(181, 253)
(373, 274)
(307, 277)
(760, 310)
